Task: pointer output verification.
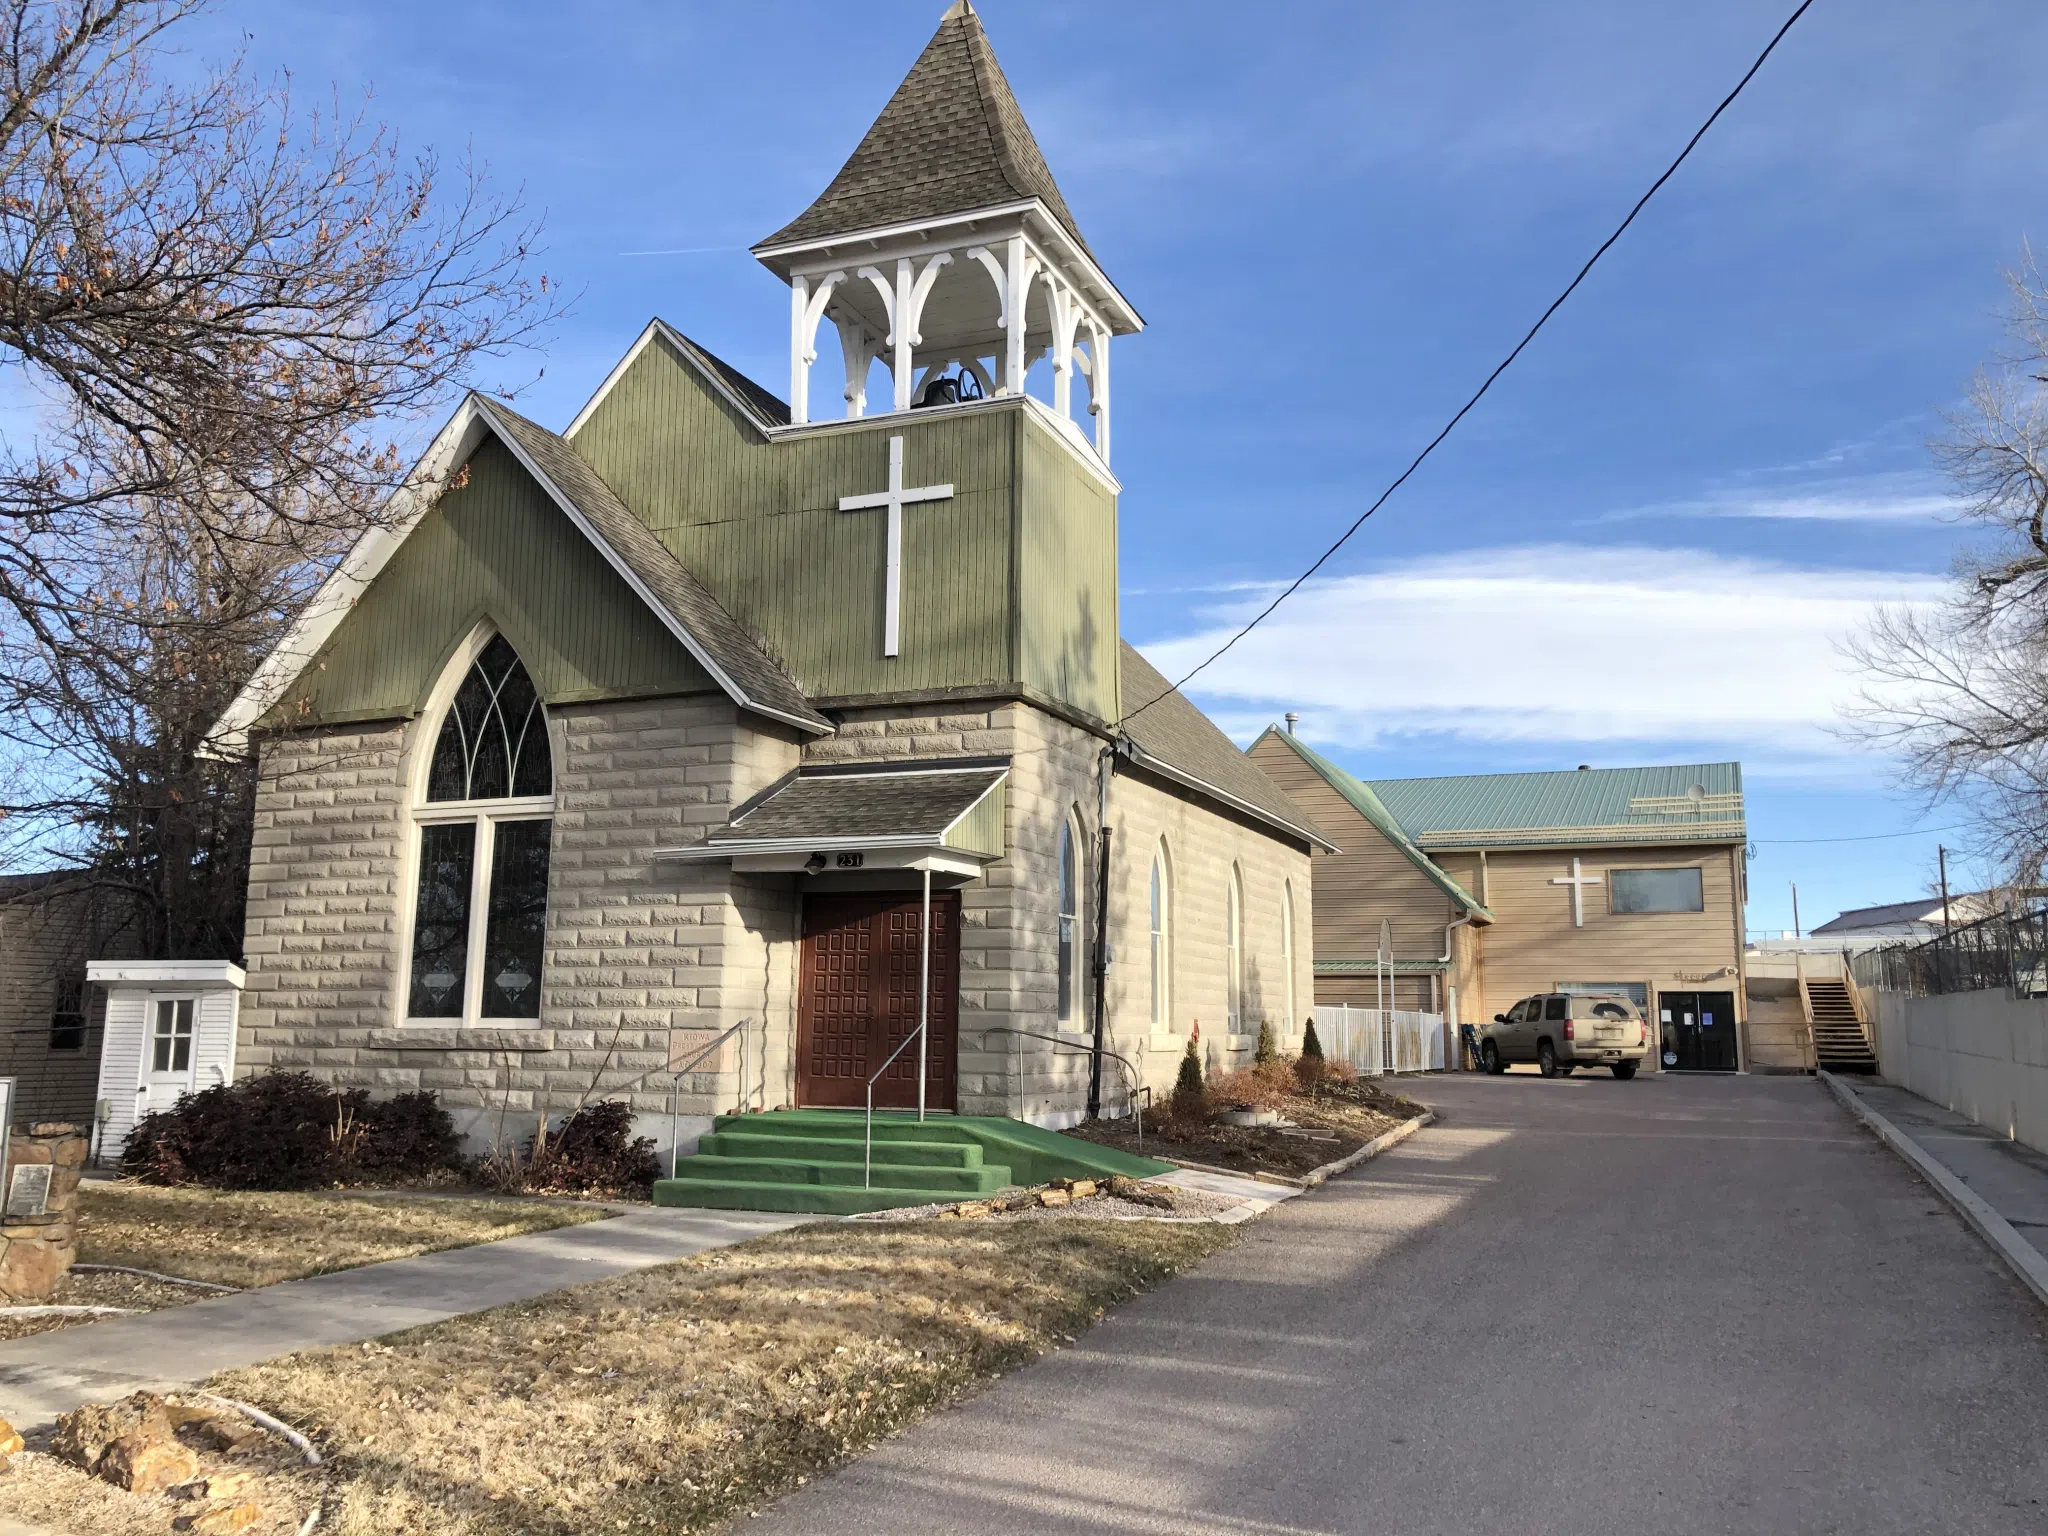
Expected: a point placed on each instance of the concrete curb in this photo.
(2020, 1256)
(1373, 1148)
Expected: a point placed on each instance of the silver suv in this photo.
(1559, 1031)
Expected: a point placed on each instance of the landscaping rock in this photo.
(1082, 1189)
(1054, 1197)
(147, 1466)
(6, 1465)
(10, 1439)
(83, 1435)
(216, 1522)
(975, 1207)
(230, 1433)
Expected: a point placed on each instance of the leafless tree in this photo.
(1959, 691)
(231, 318)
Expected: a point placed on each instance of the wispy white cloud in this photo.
(1652, 649)
(1871, 499)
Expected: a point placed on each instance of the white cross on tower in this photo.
(1578, 883)
(896, 498)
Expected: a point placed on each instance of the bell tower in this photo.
(944, 249)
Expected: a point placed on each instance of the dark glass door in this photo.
(1697, 1031)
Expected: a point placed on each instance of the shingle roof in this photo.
(1687, 802)
(1174, 733)
(764, 402)
(1370, 806)
(950, 141)
(727, 648)
(900, 801)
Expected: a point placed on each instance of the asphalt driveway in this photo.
(1677, 1304)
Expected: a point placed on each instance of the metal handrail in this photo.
(675, 1088)
(1132, 1086)
(867, 1178)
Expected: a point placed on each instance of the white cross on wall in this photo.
(896, 498)
(1578, 883)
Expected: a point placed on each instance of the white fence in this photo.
(1378, 1041)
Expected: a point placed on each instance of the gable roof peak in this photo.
(950, 141)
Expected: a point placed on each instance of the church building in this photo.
(722, 733)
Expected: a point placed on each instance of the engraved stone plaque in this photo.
(28, 1191)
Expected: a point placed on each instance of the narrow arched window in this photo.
(1233, 954)
(1070, 920)
(484, 827)
(1287, 952)
(1162, 896)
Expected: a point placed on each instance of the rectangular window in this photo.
(515, 931)
(440, 935)
(67, 1015)
(1656, 890)
(171, 1041)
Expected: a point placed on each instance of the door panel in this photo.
(857, 1000)
(1697, 1031)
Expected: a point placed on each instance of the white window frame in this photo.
(484, 815)
(1067, 981)
(150, 1037)
(1287, 952)
(1233, 953)
(1161, 913)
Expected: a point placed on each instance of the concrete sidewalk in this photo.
(52, 1373)
(1999, 1186)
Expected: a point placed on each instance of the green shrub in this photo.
(1190, 1099)
(1311, 1047)
(289, 1130)
(1267, 1049)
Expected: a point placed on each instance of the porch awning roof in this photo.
(948, 806)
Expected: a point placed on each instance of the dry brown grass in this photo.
(250, 1239)
(673, 1398)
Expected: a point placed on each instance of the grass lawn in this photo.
(249, 1238)
(673, 1398)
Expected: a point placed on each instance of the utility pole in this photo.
(1795, 911)
(1947, 927)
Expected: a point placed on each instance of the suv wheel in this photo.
(1624, 1070)
(1489, 1058)
(1546, 1058)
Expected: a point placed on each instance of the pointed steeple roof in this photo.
(950, 141)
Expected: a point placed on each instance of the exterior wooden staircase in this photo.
(1841, 1040)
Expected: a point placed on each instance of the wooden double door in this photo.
(857, 991)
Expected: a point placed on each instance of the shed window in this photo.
(170, 1046)
(1656, 890)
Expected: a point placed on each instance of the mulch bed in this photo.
(1334, 1123)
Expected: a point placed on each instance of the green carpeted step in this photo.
(820, 1199)
(943, 1183)
(1032, 1154)
(839, 1149)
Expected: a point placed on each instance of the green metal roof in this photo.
(1369, 967)
(1370, 806)
(1682, 803)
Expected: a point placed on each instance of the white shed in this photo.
(170, 1031)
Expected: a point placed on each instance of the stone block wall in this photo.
(635, 947)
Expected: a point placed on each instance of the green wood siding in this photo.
(1012, 581)
(981, 829)
(1067, 606)
(498, 548)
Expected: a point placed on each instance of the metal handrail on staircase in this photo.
(867, 1177)
(1132, 1087)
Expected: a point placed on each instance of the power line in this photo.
(1871, 837)
(1480, 393)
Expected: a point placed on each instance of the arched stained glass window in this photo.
(1162, 917)
(1070, 920)
(480, 908)
(1233, 953)
(494, 739)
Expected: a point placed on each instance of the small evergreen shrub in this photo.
(289, 1130)
(1267, 1049)
(1311, 1045)
(1190, 1099)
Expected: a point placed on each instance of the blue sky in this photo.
(1644, 546)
